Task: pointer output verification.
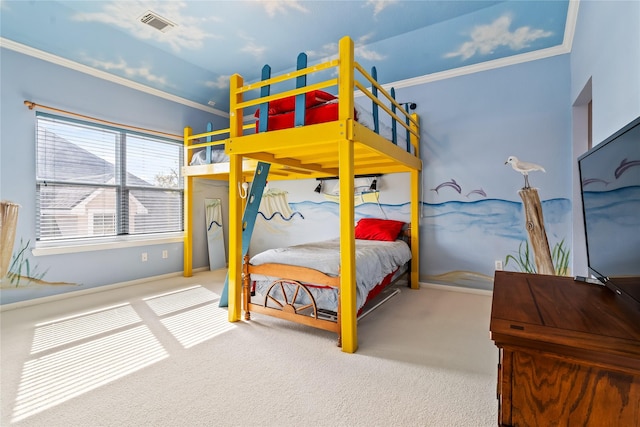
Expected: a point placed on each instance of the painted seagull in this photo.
(524, 168)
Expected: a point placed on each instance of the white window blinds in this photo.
(98, 181)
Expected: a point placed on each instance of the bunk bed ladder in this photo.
(262, 170)
(254, 197)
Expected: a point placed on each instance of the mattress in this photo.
(217, 156)
(377, 262)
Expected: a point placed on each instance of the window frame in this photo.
(122, 238)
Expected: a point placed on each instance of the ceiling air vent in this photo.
(156, 21)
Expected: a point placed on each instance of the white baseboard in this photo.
(453, 288)
(96, 289)
(103, 288)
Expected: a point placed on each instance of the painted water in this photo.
(459, 241)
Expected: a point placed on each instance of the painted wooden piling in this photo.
(535, 228)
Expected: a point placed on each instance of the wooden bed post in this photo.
(415, 210)
(187, 268)
(235, 204)
(246, 288)
(348, 313)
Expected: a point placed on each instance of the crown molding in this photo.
(570, 25)
(564, 48)
(483, 66)
(54, 59)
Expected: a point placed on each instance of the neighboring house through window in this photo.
(95, 181)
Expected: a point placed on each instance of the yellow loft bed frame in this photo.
(342, 148)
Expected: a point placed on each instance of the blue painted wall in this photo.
(28, 78)
(605, 69)
(471, 124)
(606, 49)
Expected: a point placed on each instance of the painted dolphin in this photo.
(479, 191)
(453, 184)
(624, 165)
(588, 181)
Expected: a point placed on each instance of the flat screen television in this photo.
(610, 190)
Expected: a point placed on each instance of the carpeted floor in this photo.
(162, 354)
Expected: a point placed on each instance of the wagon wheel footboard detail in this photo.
(290, 299)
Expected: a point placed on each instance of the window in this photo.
(94, 181)
(104, 224)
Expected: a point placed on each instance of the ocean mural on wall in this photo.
(8, 221)
(472, 230)
(364, 190)
(18, 270)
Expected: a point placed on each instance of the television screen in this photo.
(610, 188)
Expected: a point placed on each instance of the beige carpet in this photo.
(162, 354)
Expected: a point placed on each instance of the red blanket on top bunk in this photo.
(320, 107)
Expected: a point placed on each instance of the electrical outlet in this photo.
(498, 264)
(144, 257)
(165, 254)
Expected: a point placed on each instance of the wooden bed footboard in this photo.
(282, 304)
(290, 305)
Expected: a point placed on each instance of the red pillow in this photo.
(378, 229)
(284, 105)
(319, 114)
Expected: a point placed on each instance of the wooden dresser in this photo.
(569, 353)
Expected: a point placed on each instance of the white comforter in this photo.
(374, 261)
(217, 156)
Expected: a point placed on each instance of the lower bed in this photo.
(301, 283)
